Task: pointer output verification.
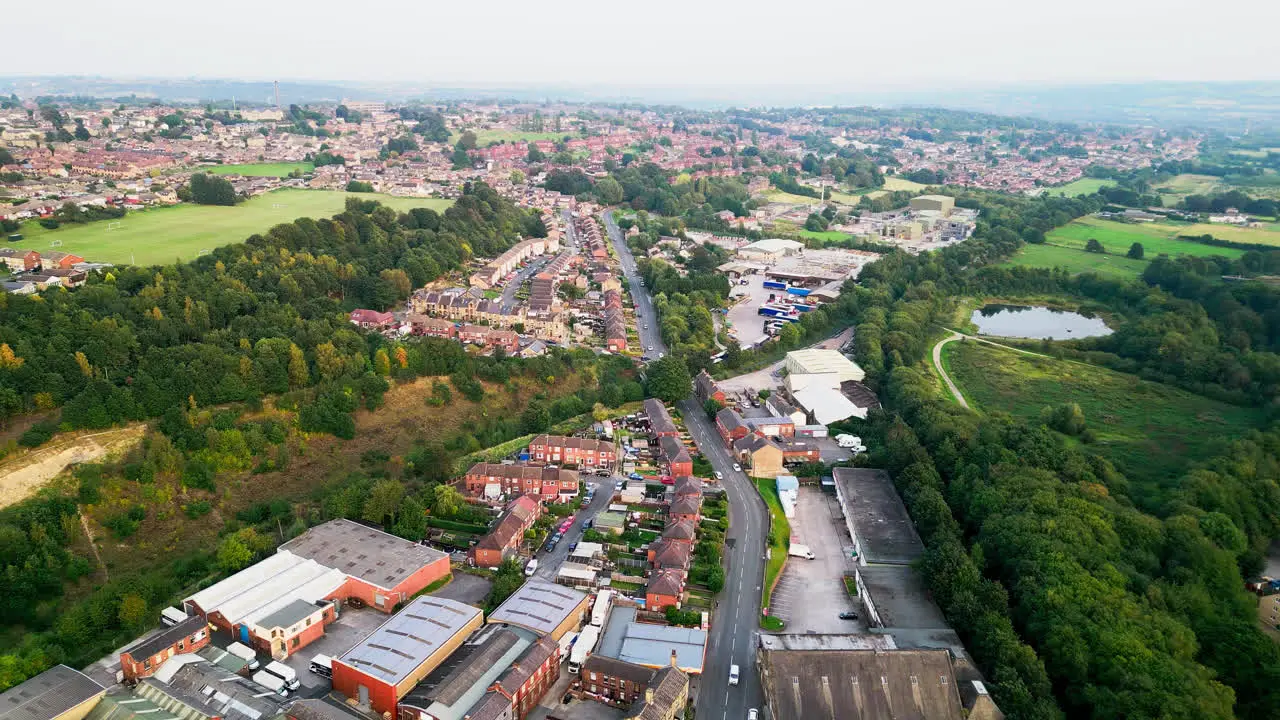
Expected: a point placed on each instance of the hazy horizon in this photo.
(931, 46)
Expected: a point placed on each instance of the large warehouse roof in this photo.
(373, 556)
(820, 360)
(400, 645)
(48, 695)
(539, 606)
(905, 684)
(828, 406)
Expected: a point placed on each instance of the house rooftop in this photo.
(167, 638)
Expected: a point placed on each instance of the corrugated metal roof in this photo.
(48, 695)
(539, 606)
(215, 595)
(404, 642)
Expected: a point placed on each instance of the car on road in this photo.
(650, 349)
(618, 485)
(719, 475)
(737, 467)
(848, 615)
(733, 674)
(573, 546)
(753, 714)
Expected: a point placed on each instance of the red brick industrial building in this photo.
(143, 659)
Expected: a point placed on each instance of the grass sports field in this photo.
(162, 235)
(1083, 186)
(1153, 432)
(484, 137)
(260, 169)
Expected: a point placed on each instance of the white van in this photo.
(322, 665)
(245, 654)
(284, 672)
(271, 682)
(733, 674)
(531, 568)
(171, 616)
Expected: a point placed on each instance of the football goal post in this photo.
(113, 225)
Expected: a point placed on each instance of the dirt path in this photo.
(93, 545)
(937, 364)
(23, 475)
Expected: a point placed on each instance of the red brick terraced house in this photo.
(664, 589)
(505, 538)
(558, 449)
(489, 481)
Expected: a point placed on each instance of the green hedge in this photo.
(457, 526)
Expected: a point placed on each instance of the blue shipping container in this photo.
(802, 292)
(775, 285)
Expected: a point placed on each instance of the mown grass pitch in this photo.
(260, 169)
(181, 232)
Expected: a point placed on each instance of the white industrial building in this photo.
(821, 361)
(827, 406)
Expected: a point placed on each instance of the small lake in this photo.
(1036, 323)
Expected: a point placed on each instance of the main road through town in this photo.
(736, 619)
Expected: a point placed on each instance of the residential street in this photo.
(735, 623)
(549, 563)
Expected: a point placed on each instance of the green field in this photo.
(1152, 432)
(485, 137)
(1268, 235)
(1156, 238)
(1181, 186)
(1077, 261)
(260, 169)
(893, 183)
(778, 196)
(779, 538)
(162, 235)
(1083, 186)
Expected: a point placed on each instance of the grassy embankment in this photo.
(779, 541)
(1151, 431)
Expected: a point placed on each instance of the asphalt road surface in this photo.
(549, 562)
(734, 625)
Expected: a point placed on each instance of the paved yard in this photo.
(350, 628)
(551, 708)
(465, 588)
(811, 595)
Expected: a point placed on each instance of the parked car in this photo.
(848, 616)
(719, 475)
(737, 467)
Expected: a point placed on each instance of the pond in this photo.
(1036, 323)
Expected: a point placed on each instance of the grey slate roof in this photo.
(48, 695)
(400, 645)
(294, 612)
(167, 638)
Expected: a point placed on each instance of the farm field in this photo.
(1156, 238)
(1152, 432)
(485, 137)
(1083, 186)
(779, 196)
(1268, 235)
(893, 183)
(163, 235)
(260, 169)
(1077, 261)
(1183, 185)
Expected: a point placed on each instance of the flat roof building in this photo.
(386, 665)
(543, 608)
(451, 690)
(651, 645)
(934, 203)
(881, 528)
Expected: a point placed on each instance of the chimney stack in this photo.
(674, 664)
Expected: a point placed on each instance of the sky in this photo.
(849, 44)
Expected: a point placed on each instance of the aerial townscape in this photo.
(480, 384)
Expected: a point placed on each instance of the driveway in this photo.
(549, 562)
(340, 636)
(466, 588)
(811, 595)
